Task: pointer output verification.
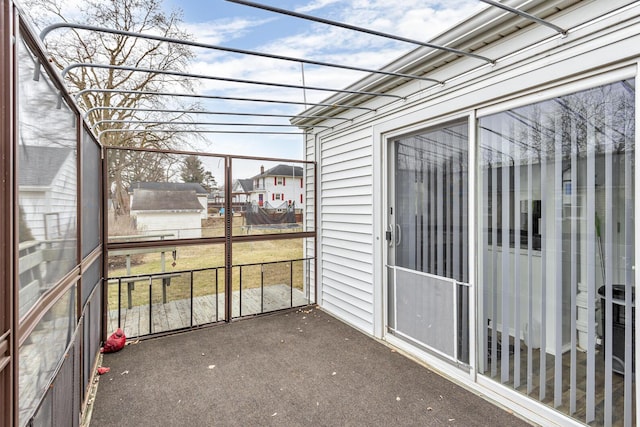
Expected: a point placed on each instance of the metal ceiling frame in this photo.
(360, 29)
(52, 27)
(197, 131)
(225, 98)
(526, 15)
(224, 79)
(168, 122)
(219, 113)
(70, 67)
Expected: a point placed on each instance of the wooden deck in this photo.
(176, 314)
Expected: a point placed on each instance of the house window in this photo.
(279, 180)
(555, 227)
(278, 196)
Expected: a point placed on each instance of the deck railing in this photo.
(148, 304)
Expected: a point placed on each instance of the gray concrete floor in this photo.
(294, 368)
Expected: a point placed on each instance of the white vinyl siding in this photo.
(55, 203)
(309, 212)
(183, 225)
(346, 220)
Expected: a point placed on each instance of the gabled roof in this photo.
(282, 170)
(246, 184)
(38, 166)
(169, 186)
(163, 200)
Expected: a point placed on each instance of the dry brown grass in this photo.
(211, 256)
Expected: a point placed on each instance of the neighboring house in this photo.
(47, 190)
(216, 197)
(47, 187)
(278, 187)
(176, 212)
(241, 190)
(200, 191)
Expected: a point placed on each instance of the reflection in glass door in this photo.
(556, 250)
(427, 238)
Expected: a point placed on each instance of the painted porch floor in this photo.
(176, 314)
(294, 368)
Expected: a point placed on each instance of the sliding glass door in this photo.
(427, 240)
(556, 250)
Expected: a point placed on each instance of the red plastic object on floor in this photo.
(115, 342)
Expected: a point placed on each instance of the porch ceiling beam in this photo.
(224, 79)
(360, 29)
(224, 98)
(159, 122)
(201, 131)
(526, 15)
(52, 27)
(218, 113)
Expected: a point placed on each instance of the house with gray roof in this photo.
(173, 213)
(200, 191)
(241, 190)
(278, 187)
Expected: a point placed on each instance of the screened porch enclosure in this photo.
(556, 249)
(182, 256)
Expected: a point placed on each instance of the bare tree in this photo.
(80, 46)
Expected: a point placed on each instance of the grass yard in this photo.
(204, 282)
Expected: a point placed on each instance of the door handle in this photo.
(398, 234)
(389, 235)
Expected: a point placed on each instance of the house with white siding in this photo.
(484, 221)
(48, 204)
(176, 214)
(241, 190)
(278, 187)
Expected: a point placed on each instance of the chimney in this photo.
(262, 170)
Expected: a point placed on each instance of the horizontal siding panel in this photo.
(364, 229)
(359, 287)
(362, 283)
(363, 309)
(348, 298)
(347, 209)
(360, 181)
(346, 192)
(357, 137)
(353, 200)
(345, 155)
(346, 174)
(347, 254)
(345, 145)
(353, 264)
(346, 218)
(339, 236)
(351, 163)
(334, 308)
(340, 246)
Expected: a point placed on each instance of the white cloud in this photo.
(415, 19)
(223, 30)
(317, 4)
